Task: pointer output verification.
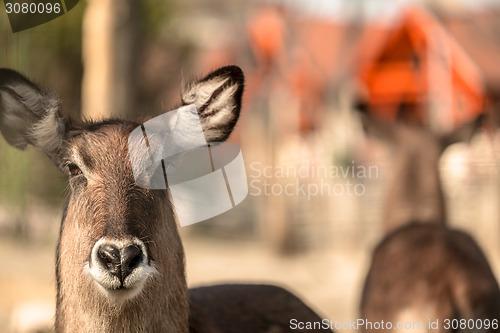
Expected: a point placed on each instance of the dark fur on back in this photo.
(437, 272)
(259, 308)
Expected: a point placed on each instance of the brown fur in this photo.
(414, 192)
(110, 205)
(432, 271)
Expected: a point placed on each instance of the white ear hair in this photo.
(47, 132)
(201, 92)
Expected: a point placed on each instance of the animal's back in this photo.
(427, 271)
(247, 309)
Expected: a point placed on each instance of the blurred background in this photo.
(306, 64)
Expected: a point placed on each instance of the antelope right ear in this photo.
(29, 115)
(217, 98)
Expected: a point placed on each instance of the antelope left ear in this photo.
(218, 100)
(29, 115)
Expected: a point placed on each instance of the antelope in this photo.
(120, 263)
(423, 270)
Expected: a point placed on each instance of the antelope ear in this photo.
(217, 98)
(463, 133)
(28, 115)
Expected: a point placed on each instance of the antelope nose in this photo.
(109, 257)
(120, 262)
(131, 258)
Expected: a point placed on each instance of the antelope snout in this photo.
(120, 262)
(120, 267)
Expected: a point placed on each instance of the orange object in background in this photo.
(416, 72)
(266, 32)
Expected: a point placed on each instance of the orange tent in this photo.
(417, 72)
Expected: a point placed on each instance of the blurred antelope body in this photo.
(120, 260)
(415, 193)
(422, 270)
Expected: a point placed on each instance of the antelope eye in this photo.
(74, 170)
